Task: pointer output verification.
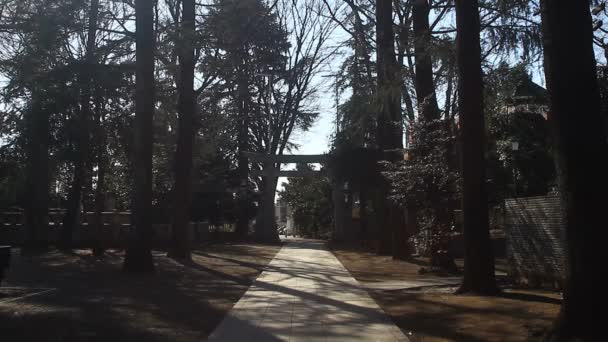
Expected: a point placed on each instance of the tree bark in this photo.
(182, 193)
(242, 224)
(100, 138)
(389, 122)
(403, 48)
(425, 85)
(71, 220)
(138, 258)
(428, 109)
(448, 92)
(98, 244)
(478, 260)
(389, 127)
(580, 144)
(37, 176)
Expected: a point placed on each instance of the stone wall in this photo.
(115, 231)
(534, 229)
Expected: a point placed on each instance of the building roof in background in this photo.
(528, 91)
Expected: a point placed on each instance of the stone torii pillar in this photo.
(266, 228)
(339, 211)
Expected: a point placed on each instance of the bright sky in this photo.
(318, 139)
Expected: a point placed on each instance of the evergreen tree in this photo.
(139, 257)
(581, 146)
(187, 130)
(479, 261)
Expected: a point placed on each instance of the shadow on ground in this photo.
(436, 314)
(446, 317)
(93, 300)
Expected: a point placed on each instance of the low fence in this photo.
(115, 232)
(534, 230)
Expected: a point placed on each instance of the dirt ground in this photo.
(59, 297)
(436, 314)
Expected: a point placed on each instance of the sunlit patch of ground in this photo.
(93, 300)
(435, 314)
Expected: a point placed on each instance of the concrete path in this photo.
(305, 294)
(396, 285)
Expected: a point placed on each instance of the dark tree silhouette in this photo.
(102, 168)
(242, 223)
(138, 258)
(425, 86)
(71, 219)
(389, 129)
(37, 173)
(478, 259)
(580, 153)
(432, 131)
(185, 141)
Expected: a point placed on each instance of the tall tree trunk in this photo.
(448, 92)
(185, 141)
(580, 143)
(389, 124)
(403, 48)
(428, 109)
(37, 176)
(99, 240)
(139, 256)
(389, 128)
(425, 85)
(71, 220)
(98, 243)
(242, 224)
(478, 260)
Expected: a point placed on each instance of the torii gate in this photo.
(266, 229)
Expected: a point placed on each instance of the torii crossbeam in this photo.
(266, 229)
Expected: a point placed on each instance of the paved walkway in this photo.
(395, 285)
(305, 294)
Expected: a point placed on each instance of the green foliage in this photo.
(428, 175)
(43, 64)
(532, 164)
(243, 43)
(310, 200)
(248, 36)
(530, 168)
(511, 29)
(427, 183)
(357, 72)
(354, 164)
(12, 180)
